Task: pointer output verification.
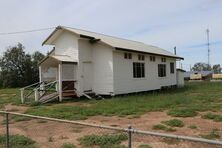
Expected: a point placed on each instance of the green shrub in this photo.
(185, 112)
(174, 123)
(214, 134)
(20, 118)
(192, 126)
(18, 141)
(214, 117)
(50, 139)
(163, 127)
(103, 141)
(68, 145)
(145, 146)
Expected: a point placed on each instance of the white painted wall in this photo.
(67, 44)
(85, 61)
(68, 72)
(100, 57)
(48, 73)
(180, 78)
(123, 74)
(102, 69)
(110, 73)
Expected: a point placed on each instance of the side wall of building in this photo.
(103, 69)
(123, 74)
(95, 67)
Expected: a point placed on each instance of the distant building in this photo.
(198, 75)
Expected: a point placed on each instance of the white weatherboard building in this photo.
(84, 62)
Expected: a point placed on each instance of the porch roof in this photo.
(60, 58)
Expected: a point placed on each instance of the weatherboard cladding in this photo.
(133, 46)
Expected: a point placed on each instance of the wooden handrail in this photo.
(32, 85)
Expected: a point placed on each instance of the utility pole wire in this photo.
(26, 31)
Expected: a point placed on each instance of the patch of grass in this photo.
(68, 145)
(214, 117)
(214, 134)
(18, 141)
(145, 146)
(163, 127)
(63, 137)
(192, 126)
(171, 141)
(182, 102)
(103, 141)
(50, 139)
(182, 112)
(77, 129)
(42, 121)
(20, 118)
(9, 96)
(174, 123)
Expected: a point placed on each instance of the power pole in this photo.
(208, 46)
(175, 50)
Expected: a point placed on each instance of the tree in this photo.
(36, 58)
(18, 68)
(217, 68)
(201, 67)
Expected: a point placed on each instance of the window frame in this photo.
(138, 70)
(161, 70)
(163, 59)
(152, 58)
(127, 55)
(141, 57)
(172, 67)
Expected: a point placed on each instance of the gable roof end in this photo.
(115, 42)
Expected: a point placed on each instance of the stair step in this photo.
(49, 97)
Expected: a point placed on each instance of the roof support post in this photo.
(60, 81)
(40, 73)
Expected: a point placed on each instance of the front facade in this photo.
(90, 62)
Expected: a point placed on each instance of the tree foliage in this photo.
(201, 67)
(18, 68)
(205, 67)
(217, 68)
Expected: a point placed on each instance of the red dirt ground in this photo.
(53, 134)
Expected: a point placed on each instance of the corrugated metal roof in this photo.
(119, 42)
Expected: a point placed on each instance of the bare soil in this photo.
(49, 134)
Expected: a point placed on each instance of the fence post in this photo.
(22, 95)
(7, 130)
(36, 95)
(129, 136)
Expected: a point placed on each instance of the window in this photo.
(162, 70)
(152, 58)
(163, 59)
(171, 67)
(127, 55)
(138, 70)
(141, 57)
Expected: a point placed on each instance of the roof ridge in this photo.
(103, 34)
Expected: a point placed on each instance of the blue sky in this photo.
(163, 23)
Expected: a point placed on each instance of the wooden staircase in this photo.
(91, 95)
(49, 97)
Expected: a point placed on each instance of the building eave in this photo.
(136, 51)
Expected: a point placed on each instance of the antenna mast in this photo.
(208, 46)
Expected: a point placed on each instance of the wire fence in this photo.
(28, 131)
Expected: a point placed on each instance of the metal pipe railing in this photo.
(129, 130)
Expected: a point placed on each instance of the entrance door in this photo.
(87, 76)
